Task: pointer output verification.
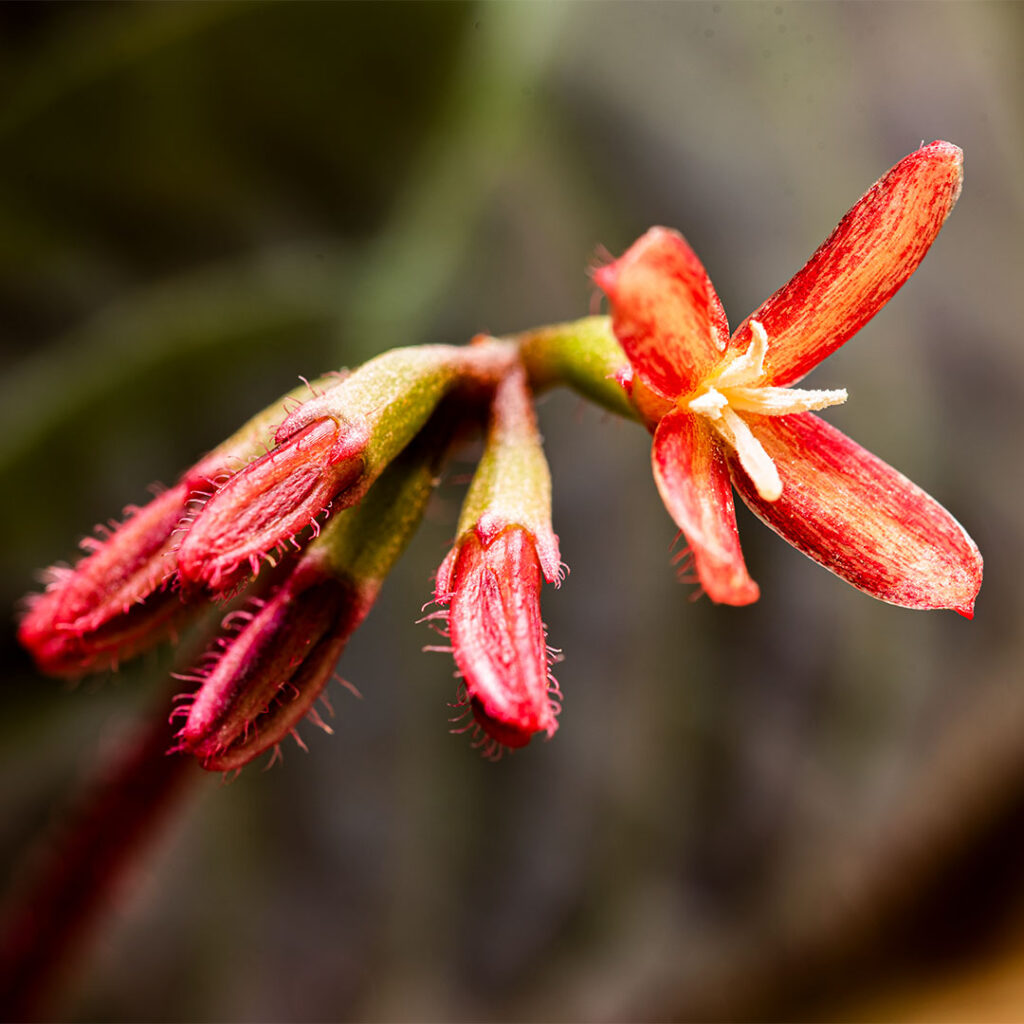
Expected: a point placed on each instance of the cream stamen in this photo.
(709, 404)
(747, 368)
(782, 401)
(734, 390)
(753, 458)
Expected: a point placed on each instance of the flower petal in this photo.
(861, 265)
(665, 312)
(694, 484)
(861, 519)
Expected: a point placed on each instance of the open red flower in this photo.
(722, 409)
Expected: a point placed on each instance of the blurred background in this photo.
(809, 808)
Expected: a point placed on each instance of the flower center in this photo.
(738, 388)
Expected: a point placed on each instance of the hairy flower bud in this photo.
(271, 673)
(116, 601)
(498, 638)
(270, 666)
(122, 597)
(329, 452)
(490, 581)
(270, 501)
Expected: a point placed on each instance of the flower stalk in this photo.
(583, 355)
(85, 863)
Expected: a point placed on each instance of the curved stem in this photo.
(582, 354)
(78, 874)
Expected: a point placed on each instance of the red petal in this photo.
(665, 312)
(861, 265)
(861, 519)
(694, 484)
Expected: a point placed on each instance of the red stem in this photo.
(84, 865)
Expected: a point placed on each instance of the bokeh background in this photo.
(812, 807)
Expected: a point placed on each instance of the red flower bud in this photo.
(492, 586)
(123, 597)
(116, 601)
(268, 502)
(267, 676)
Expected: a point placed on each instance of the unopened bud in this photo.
(329, 452)
(491, 579)
(266, 676)
(116, 601)
(122, 597)
(273, 671)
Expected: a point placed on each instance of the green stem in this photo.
(582, 354)
(361, 544)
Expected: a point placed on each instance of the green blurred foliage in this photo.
(747, 812)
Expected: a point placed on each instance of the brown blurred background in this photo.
(812, 807)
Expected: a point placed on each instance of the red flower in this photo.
(723, 408)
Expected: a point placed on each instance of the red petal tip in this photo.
(506, 734)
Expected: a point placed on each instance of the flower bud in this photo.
(329, 452)
(267, 676)
(497, 634)
(490, 581)
(122, 598)
(270, 674)
(116, 601)
(270, 501)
